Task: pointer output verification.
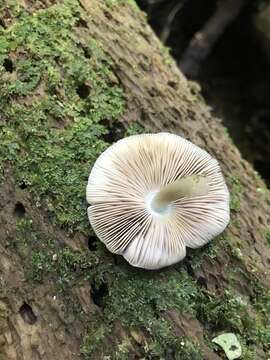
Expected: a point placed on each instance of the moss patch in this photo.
(209, 251)
(114, 3)
(237, 191)
(53, 106)
(267, 236)
(44, 259)
(139, 298)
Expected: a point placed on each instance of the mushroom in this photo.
(152, 195)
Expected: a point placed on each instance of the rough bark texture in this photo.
(76, 76)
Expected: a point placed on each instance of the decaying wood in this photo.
(159, 97)
(203, 41)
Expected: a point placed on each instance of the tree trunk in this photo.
(76, 76)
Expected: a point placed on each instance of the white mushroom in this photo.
(152, 195)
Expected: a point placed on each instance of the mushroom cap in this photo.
(124, 180)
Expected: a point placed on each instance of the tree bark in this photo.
(63, 296)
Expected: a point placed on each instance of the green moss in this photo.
(228, 136)
(265, 193)
(4, 287)
(134, 129)
(231, 312)
(53, 141)
(266, 233)
(122, 351)
(209, 251)
(93, 339)
(4, 312)
(236, 192)
(139, 298)
(64, 265)
(188, 350)
(166, 57)
(12, 7)
(224, 311)
(183, 349)
(113, 3)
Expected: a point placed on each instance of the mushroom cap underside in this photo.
(124, 179)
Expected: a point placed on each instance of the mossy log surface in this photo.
(74, 77)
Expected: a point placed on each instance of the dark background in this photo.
(234, 78)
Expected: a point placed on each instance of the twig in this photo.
(166, 30)
(203, 41)
(153, 2)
